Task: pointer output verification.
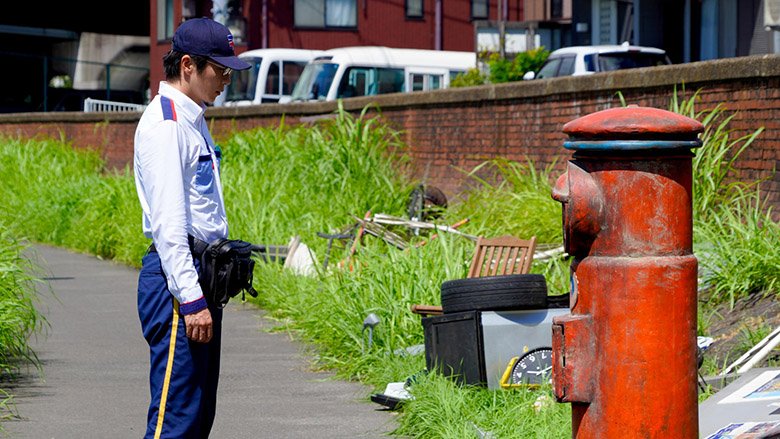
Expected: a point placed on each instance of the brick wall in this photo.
(460, 128)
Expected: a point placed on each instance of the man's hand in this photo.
(198, 326)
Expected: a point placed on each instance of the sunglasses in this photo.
(226, 71)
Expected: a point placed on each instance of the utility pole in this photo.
(501, 29)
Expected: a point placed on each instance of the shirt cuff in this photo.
(194, 306)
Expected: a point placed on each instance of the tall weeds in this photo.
(736, 239)
(313, 178)
(511, 198)
(307, 179)
(61, 196)
(19, 318)
(299, 181)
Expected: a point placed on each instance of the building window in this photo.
(414, 9)
(479, 9)
(325, 13)
(164, 19)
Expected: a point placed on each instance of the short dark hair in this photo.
(172, 64)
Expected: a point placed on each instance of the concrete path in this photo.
(95, 365)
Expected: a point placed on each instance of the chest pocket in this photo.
(204, 177)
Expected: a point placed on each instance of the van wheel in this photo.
(494, 293)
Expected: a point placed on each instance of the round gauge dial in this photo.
(535, 367)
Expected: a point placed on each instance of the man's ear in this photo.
(187, 65)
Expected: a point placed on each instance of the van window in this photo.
(425, 81)
(367, 81)
(242, 83)
(315, 81)
(418, 82)
(292, 71)
(275, 87)
(272, 82)
(435, 82)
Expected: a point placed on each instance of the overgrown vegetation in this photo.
(19, 318)
(58, 196)
(302, 180)
(500, 69)
(299, 181)
(736, 239)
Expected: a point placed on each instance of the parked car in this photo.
(586, 60)
(371, 70)
(272, 77)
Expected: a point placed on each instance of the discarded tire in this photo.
(559, 301)
(494, 293)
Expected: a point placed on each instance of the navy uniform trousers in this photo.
(183, 374)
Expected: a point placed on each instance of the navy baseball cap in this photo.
(206, 37)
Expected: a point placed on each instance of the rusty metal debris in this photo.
(379, 226)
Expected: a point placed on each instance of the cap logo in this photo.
(206, 37)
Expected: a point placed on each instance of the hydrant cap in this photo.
(633, 123)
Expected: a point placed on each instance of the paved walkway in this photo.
(96, 363)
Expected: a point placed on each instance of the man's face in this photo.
(206, 85)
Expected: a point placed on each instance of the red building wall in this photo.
(379, 23)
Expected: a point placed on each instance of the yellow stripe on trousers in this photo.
(168, 370)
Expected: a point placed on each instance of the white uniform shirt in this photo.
(178, 186)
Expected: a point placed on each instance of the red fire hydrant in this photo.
(625, 356)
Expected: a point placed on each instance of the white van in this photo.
(371, 70)
(272, 77)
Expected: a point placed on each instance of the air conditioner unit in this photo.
(772, 13)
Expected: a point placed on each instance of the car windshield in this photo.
(366, 81)
(242, 82)
(626, 60)
(315, 82)
(549, 69)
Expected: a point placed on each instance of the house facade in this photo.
(59, 44)
(327, 24)
(689, 30)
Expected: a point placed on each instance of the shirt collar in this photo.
(185, 106)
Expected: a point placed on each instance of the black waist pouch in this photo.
(226, 270)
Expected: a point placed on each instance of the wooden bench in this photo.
(498, 256)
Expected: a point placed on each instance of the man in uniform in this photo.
(178, 183)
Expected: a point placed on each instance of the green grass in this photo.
(735, 238)
(300, 180)
(19, 318)
(442, 409)
(65, 198)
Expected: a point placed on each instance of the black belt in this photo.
(197, 246)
